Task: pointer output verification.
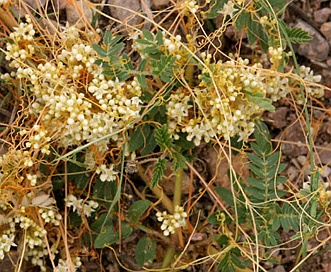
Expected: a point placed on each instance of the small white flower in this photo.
(90, 207)
(107, 174)
(228, 9)
(71, 200)
(88, 210)
(172, 222)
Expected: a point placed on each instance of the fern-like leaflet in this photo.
(158, 171)
(163, 138)
(295, 35)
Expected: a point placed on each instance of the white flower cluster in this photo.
(106, 173)
(228, 96)
(19, 51)
(21, 222)
(63, 266)
(35, 233)
(32, 179)
(15, 159)
(198, 130)
(50, 216)
(38, 139)
(74, 111)
(227, 110)
(307, 74)
(276, 55)
(170, 222)
(34, 237)
(78, 206)
(70, 35)
(190, 6)
(6, 242)
(277, 87)
(111, 97)
(178, 105)
(173, 45)
(3, 2)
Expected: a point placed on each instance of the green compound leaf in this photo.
(163, 138)
(142, 65)
(112, 44)
(263, 102)
(256, 160)
(298, 35)
(263, 144)
(255, 183)
(179, 161)
(273, 159)
(242, 20)
(100, 51)
(141, 78)
(150, 144)
(222, 240)
(164, 67)
(226, 195)
(265, 167)
(137, 209)
(260, 172)
(289, 218)
(230, 262)
(107, 37)
(148, 35)
(109, 235)
(158, 171)
(237, 262)
(269, 237)
(115, 49)
(159, 37)
(139, 137)
(257, 194)
(142, 41)
(145, 251)
(150, 47)
(295, 35)
(109, 40)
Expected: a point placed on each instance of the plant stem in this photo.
(168, 258)
(178, 188)
(166, 201)
(177, 237)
